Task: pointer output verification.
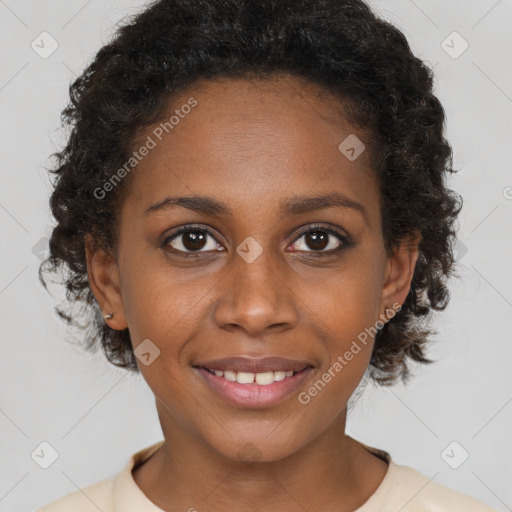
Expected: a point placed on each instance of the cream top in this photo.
(403, 489)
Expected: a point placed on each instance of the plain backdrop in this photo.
(452, 422)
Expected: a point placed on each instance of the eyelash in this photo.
(346, 241)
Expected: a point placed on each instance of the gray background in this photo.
(96, 416)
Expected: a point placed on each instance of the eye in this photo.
(322, 239)
(191, 239)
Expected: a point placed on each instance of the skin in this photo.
(252, 145)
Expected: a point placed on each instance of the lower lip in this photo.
(254, 395)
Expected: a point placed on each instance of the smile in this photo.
(262, 379)
(253, 390)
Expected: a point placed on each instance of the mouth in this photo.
(271, 381)
(262, 378)
(247, 364)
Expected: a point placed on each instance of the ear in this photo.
(399, 272)
(104, 281)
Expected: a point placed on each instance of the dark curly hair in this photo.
(340, 45)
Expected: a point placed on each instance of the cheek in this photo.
(344, 309)
(347, 301)
(161, 308)
(343, 318)
(161, 304)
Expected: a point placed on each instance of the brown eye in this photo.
(191, 239)
(317, 240)
(321, 239)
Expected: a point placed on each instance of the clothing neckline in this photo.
(129, 497)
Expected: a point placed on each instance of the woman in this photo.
(252, 206)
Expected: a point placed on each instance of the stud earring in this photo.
(109, 316)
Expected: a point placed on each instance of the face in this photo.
(264, 270)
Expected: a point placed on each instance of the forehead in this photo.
(251, 143)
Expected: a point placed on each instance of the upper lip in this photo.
(255, 364)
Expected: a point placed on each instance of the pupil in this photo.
(318, 238)
(194, 240)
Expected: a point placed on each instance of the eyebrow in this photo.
(294, 205)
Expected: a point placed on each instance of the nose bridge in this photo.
(254, 269)
(255, 296)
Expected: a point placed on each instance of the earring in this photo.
(109, 316)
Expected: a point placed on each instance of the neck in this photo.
(332, 471)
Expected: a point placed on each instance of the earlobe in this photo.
(399, 271)
(104, 281)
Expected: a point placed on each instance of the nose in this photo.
(256, 297)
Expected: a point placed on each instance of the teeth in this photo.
(263, 379)
(244, 378)
(231, 376)
(280, 375)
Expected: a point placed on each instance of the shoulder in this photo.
(408, 490)
(92, 498)
(416, 492)
(115, 493)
